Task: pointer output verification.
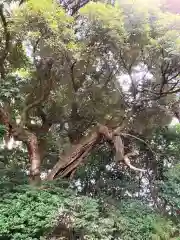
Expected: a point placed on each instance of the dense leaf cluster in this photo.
(36, 214)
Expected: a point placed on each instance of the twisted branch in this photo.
(128, 162)
(140, 139)
(119, 147)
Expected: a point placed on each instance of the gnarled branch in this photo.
(128, 162)
(119, 147)
(68, 164)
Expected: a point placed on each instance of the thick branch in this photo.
(4, 117)
(29, 107)
(73, 6)
(70, 161)
(5, 120)
(119, 147)
(139, 139)
(67, 164)
(176, 110)
(75, 87)
(21, 2)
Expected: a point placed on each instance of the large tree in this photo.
(106, 74)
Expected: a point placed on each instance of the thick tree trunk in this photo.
(35, 159)
(42, 146)
(68, 163)
(30, 139)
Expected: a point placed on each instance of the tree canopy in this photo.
(88, 86)
(63, 74)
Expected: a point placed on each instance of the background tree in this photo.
(71, 75)
(88, 91)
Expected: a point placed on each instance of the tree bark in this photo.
(176, 110)
(30, 140)
(69, 162)
(35, 159)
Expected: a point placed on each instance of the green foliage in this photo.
(100, 18)
(101, 176)
(42, 21)
(92, 55)
(143, 223)
(102, 49)
(2, 131)
(170, 191)
(28, 213)
(12, 169)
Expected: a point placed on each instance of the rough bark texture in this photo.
(34, 157)
(176, 110)
(30, 139)
(68, 163)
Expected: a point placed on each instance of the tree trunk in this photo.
(42, 146)
(30, 139)
(35, 160)
(69, 162)
(176, 110)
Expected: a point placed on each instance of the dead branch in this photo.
(128, 163)
(72, 167)
(119, 148)
(140, 139)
